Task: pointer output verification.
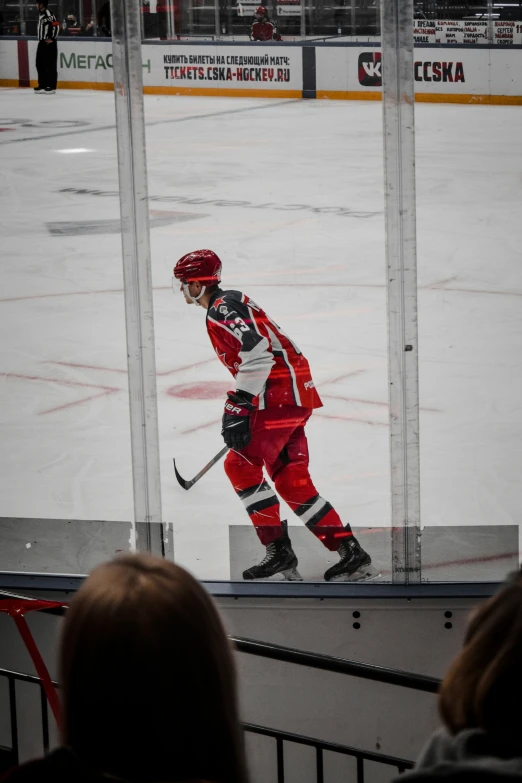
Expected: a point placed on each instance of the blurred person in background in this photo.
(511, 12)
(104, 20)
(89, 27)
(479, 701)
(72, 26)
(148, 684)
(47, 51)
(263, 29)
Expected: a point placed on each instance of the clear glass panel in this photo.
(289, 195)
(468, 197)
(288, 192)
(450, 21)
(66, 482)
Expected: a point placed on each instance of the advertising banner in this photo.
(436, 71)
(288, 8)
(466, 31)
(424, 31)
(507, 32)
(226, 67)
(453, 73)
(79, 61)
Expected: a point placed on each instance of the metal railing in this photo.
(320, 747)
(12, 678)
(365, 671)
(276, 652)
(280, 737)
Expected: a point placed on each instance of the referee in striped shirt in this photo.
(47, 52)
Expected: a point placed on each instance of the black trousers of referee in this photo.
(47, 64)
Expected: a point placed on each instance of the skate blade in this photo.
(292, 575)
(289, 575)
(364, 574)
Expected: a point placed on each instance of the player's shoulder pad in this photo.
(227, 303)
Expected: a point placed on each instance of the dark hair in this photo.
(483, 687)
(148, 679)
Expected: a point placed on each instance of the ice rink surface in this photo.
(290, 195)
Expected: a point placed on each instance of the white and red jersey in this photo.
(261, 357)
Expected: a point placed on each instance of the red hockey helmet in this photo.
(202, 266)
(261, 11)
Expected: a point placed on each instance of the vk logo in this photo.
(370, 69)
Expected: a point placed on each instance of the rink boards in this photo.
(446, 73)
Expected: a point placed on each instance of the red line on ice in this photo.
(86, 366)
(105, 390)
(64, 293)
(431, 287)
(78, 402)
(346, 375)
(61, 381)
(200, 426)
(369, 402)
(463, 562)
(353, 399)
(353, 419)
(470, 560)
(115, 369)
(187, 366)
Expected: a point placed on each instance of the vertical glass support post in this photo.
(171, 21)
(401, 276)
(353, 21)
(94, 17)
(22, 17)
(491, 36)
(137, 276)
(216, 19)
(303, 20)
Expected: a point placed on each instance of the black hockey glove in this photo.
(236, 420)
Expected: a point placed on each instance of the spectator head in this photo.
(71, 19)
(148, 680)
(483, 686)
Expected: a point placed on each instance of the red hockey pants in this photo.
(279, 444)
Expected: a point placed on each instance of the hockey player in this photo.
(263, 29)
(264, 424)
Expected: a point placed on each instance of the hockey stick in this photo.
(241, 13)
(188, 484)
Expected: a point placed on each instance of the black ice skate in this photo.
(280, 558)
(355, 564)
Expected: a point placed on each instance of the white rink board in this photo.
(341, 71)
(506, 72)
(8, 60)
